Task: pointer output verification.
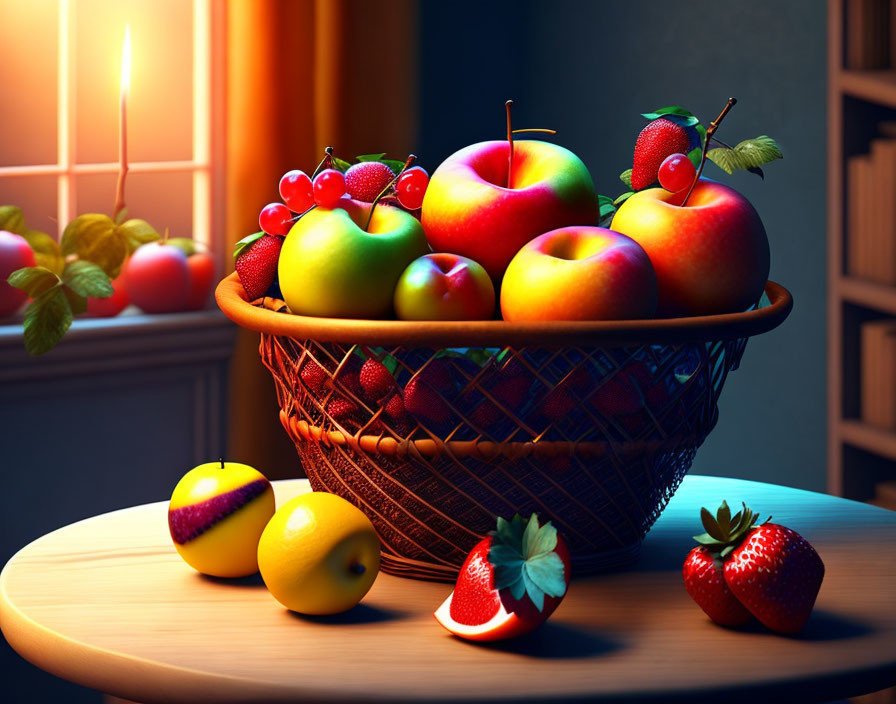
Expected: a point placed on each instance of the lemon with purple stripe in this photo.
(216, 515)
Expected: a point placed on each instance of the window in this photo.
(60, 65)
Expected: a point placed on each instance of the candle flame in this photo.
(126, 60)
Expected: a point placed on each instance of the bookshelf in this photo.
(861, 249)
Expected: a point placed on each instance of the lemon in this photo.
(319, 554)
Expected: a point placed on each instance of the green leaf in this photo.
(751, 153)
(87, 279)
(710, 525)
(393, 164)
(624, 197)
(538, 540)
(723, 516)
(339, 164)
(46, 250)
(77, 303)
(47, 319)
(184, 244)
(371, 157)
(683, 117)
(536, 595)
(696, 156)
(245, 244)
(605, 206)
(33, 280)
(390, 363)
(138, 232)
(11, 219)
(547, 572)
(626, 178)
(96, 238)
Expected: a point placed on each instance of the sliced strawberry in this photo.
(257, 265)
(659, 139)
(510, 583)
(705, 582)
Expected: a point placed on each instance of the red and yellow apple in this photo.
(472, 208)
(169, 276)
(579, 273)
(330, 266)
(15, 253)
(710, 256)
(444, 286)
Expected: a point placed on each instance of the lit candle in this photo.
(123, 121)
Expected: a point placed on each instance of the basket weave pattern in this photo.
(594, 439)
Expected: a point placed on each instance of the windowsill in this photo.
(129, 340)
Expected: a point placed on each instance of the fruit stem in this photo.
(165, 236)
(221, 460)
(407, 164)
(710, 131)
(508, 105)
(325, 163)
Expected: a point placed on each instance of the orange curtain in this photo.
(301, 75)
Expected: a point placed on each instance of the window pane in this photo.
(36, 196)
(28, 57)
(160, 107)
(163, 199)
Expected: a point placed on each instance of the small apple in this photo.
(169, 276)
(710, 256)
(114, 304)
(472, 208)
(217, 513)
(444, 286)
(579, 273)
(330, 266)
(15, 253)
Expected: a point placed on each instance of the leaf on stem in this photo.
(11, 219)
(137, 232)
(87, 279)
(33, 280)
(245, 244)
(749, 154)
(673, 112)
(47, 318)
(96, 238)
(339, 164)
(371, 157)
(626, 178)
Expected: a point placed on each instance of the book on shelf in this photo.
(878, 373)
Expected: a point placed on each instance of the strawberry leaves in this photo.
(525, 559)
(725, 532)
(676, 113)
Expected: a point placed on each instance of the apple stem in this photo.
(407, 164)
(508, 105)
(165, 236)
(325, 163)
(710, 131)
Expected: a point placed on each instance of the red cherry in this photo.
(329, 187)
(275, 219)
(295, 190)
(677, 172)
(411, 187)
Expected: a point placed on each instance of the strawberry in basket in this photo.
(510, 583)
(741, 570)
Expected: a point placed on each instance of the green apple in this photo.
(330, 266)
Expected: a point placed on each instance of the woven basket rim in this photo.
(231, 299)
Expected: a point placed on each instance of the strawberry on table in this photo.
(771, 571)
(510, 583)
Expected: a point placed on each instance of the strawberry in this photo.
(394, 407)
(705, 582)
(365, 181)
(659, 139)
(348, 380)
(314, 375)
(776, 574)
(426, 393)
(772, 571)
(341, 409)
(257, 265)
(375, 379)
(624, 392)
(510, 583)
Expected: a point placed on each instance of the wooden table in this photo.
(107, 603)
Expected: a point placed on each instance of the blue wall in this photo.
(588, 69)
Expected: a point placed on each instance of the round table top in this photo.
(107, 602)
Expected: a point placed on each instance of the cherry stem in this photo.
(325, 163)
(710, 131)
(407, 164)
(508, 105)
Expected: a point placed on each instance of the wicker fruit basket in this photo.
(592, 425)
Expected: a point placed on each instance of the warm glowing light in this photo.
(126, 60)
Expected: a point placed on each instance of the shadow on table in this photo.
(362, 613)
(253, 580)
(823, 625)
(554, 640)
